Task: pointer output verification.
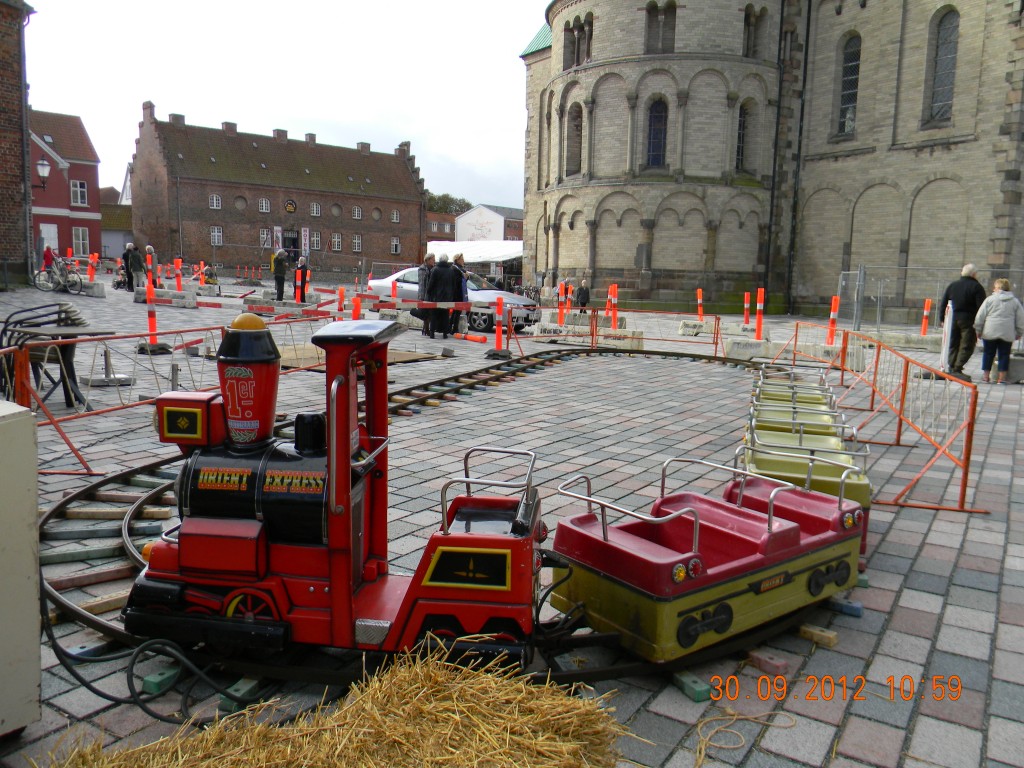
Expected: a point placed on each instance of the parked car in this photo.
(481, 319)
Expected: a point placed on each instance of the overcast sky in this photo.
(444, 75)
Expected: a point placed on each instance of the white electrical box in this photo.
(19, 570)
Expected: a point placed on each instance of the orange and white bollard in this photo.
(149, 271)
(615, 305)
(202, 273)
(91, 272)
(759, 327)
(499, 313)
(608, 302)
(568, 298)
(394, 290)
(177, 274)
(357, 308)
(341, 298)
(259, 272)
(700, 304)
(151, 312)
(561, 303)
(924, 320)
(833, 316)
(298, 285)
(746, 308)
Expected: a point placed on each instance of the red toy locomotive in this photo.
(286, 542)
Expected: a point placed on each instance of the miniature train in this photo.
(286, 542)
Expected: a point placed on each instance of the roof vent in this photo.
(363, 147)
(255, 145)
(351, 179)
(231, 129)
(311, 139)
(368, 180)
(307, 170)
(263, 166)
(181, 156)
(213, 159)
(178, 120)
(280, 135)
(48, 138)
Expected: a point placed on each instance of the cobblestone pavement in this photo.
(945, 594)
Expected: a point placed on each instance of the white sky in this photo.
(445, 76)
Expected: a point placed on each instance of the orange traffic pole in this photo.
(259, 272)
(759, 329)
(746, 308)
(341, 298)
(177, 275)
(700, 304)
(202, 272)
(924, 320)
(394, 290)
(149, 269)
(833, 315)
(615, 306)
(298, 284)
(568, 298)
(499, 313)
(561, 303)
(238, 271)
(151, 310)
(91, 272)
(357, 308)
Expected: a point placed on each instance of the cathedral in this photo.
(778, 144)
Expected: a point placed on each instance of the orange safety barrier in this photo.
(833, 317)
(568, 298)
(700, 304)
(746, 307)
(615, 305)
(394, 289)
(561, 303)
(924, 320)
(341, 298)
(759, 329)
(357, 308)
(498, 315)
(939, 408)
(151, 312)
(470, 337)
(91, 272)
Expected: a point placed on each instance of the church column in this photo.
(587, 167)
(631, 100)
(591, 249)
(711, 247)
(644, 253)
(681, 99)
(555, 229)
(729, 145)
(561, 143)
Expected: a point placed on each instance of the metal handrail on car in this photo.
(525, 484)
(783, 485)
(811, 460)
(860, 452)
(606, 505)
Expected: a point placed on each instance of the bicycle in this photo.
(60, 277)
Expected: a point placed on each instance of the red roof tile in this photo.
(68, 137)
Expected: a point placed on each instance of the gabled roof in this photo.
(67, 135)
(213, 154)
(116, 218)
(516, 214)
(540, 41)
(109, 196)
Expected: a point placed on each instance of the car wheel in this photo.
(478, 321)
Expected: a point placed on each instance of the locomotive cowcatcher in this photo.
(287, 542)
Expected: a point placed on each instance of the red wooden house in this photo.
(66, 214)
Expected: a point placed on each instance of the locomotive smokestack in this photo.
(249, 365)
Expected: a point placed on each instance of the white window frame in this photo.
(80, 241)
(433, 226)
(447, 227)
(336, 244)
(265, 237)
(216, 235)
(396, 246)
(314, 209)
(357, 243)
(79, 192)
(314, 241)
(215, 202)
(357, 212)
(396, 218)
(264, 205)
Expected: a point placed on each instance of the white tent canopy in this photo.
(478, 251)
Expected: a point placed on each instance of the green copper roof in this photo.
(540, 41)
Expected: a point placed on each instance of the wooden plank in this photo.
(124, 497)
(93, 576)
(100, 531)
(98, 605)
(81, 554)
(114, 513)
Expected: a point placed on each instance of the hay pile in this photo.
(419, 712)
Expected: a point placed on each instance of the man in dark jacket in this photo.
(126, 262)
(441, 287)
(422, 276)
(967, 295)
(280, 272)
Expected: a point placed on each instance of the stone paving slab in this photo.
(944, 605)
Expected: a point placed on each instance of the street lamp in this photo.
(43, 169)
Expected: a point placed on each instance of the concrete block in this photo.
(96, 289)
(244, 688)
(769, 663)
(819, 635)
(693, 687)
(848, 607)
(931, 343)
(696, 327)
(746, 331)
(158, 682)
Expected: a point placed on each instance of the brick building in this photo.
(67, 213)
(778, 143)
(440, 226)
(230, 198)
(15, 182)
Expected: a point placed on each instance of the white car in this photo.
(481, 319)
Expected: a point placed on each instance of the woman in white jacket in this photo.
(999, 323)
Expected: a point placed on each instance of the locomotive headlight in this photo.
(849, 520)
(679, 573)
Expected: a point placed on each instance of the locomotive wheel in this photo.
(723, 613)
(248, 605)
(816, 582)
(688, 632)
(842, 573)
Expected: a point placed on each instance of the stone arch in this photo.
(608, 127)
(818, 258)
(876, 229)
(680, 237)
(707, 121)
(739, 237)
(940, 214)
(618, 203)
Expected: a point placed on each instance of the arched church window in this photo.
(657, 134)
(742, 126)
(849, 84)
(660, 29)
(944, 66)
(574, 141)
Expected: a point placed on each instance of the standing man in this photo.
(280, 272)
(126, 262)
(583, 295)
(302, 277)
(461, 292)
(137, 265)
(422, 276)
(967, 295)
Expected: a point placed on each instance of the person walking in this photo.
(48, 258)
(441, 288)
(126, 259)
(999, 323)
(967, 296)
(422, 277)
(280, 269)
